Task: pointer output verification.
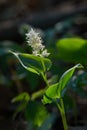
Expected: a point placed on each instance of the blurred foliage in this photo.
(36, 112)
(72, 50)
(79, 83)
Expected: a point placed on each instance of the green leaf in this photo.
(66, 77)
(50, 94)
(55, 91)
(36, 113)
(33, 63)
(72, 50)
(48, 123)
(21, 97)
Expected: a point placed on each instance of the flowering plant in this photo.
(38, 63)
(35, 41)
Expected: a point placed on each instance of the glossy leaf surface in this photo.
(55, 91)
(33, 63)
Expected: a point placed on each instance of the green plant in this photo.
(38, 63)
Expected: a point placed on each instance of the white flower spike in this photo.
(34, 40)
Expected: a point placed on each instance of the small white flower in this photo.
(34, 40)
(45, 53)
(35, 53)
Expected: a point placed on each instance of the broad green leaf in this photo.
(55, 91)
(66, 77)
(33, 63)
(36, 113)
(72, 50)
(21, 97)
(48, 123)
(50, 94)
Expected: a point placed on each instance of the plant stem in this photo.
(44, 73)
(62, 111)
(63, 115)
(45, 79)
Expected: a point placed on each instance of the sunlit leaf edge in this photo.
(36, 58)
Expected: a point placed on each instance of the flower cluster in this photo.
(34, 40)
